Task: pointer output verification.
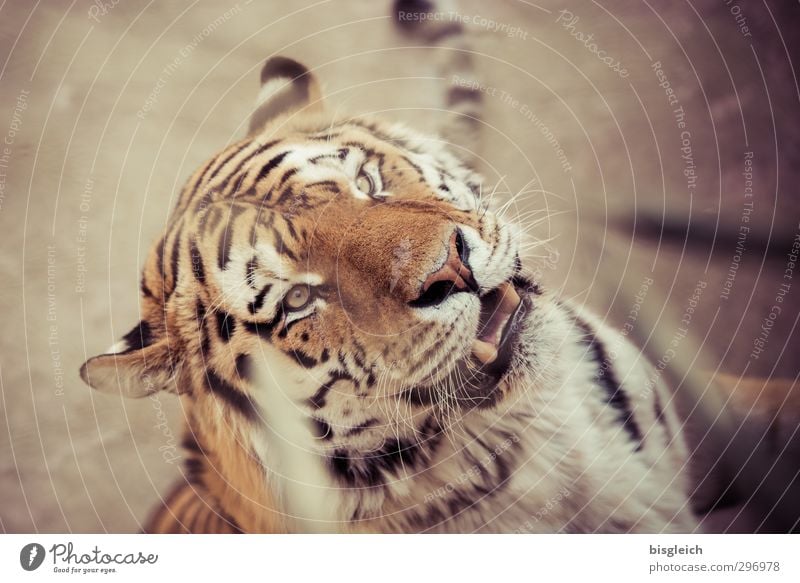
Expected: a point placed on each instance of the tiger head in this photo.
(352, 263)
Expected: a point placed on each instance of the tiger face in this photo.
(353, 263)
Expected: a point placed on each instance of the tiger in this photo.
(359, 346)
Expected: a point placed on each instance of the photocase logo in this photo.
(31, 556)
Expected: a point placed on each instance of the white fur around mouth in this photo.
(497, 307)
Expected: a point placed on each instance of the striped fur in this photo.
(361, 399)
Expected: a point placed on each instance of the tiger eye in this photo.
(298, 297)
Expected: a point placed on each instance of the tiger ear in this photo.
(136, 366)
(286, 86)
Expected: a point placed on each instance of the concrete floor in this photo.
(105, 111)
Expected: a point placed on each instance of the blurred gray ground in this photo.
(87, 185)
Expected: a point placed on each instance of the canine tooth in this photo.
(509, 299)
(484, 351)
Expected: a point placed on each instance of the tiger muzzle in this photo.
(454, 275)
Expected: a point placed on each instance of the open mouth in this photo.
(497, 341)
(498, 329)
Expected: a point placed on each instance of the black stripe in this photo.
(268, 221)
(213, 221)
(616, 397)
(318, 399)
(164, 512)
(200, 316)
(194, 470)
(160, 258)
(174, 256)
(321, 429)
(331, 185)
(139, 337)
(226, 325)
(493, 483)
(225, 161)
(253, 238)
(232, 524)
(200, 518)
(269, 166)
(286, 176)
(250, 271)
(288, 327)
(359, 355)
(415, 167)
(290, 227)
(200, 179)
(245, 160)
(201, 205)
(216, 170)
(213, 523)
(264, 329)
(461, 498)
(456, 94)
(524, 283)
(144, 288)
(191, 443)
(238, 185)
(281, 246)
(181, 505)
(238, 400)
(258, 301)
(659, 413)
(446, 173)
(326, 137)
(303, 359)
(361, 427)
(286, 193)
(191, 513)
(316, 159)
(244, 367)
(225, 241)
(368, 469)
(197, 262)
(419, 396)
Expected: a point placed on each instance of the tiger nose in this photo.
(452, 277)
